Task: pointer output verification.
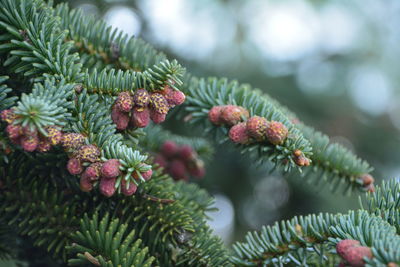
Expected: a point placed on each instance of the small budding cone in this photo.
(14, 131)
(300, 159)
(257, 127)
(276, 132)
(186, 153)
(231, 114)
(44, 145)
(93, 171)
(140, 117)
(141, 98)
(74, 166)
(238, 134)
(355, 255)
(146, 174)
(85, 183)
(29, 143)
(54, 135)
(345, 244)
(197, 168)
(107, 186)
(161, 161)
(367, 179)
(72, 140)
(157, 117)
(124, 101)
(110, 168)
(177, 170)
(121, 119)
(175, 97)
(158, 103)
(169, 149)
(392, 264)
(130, 190)
(89, 153)
(8, 116)
(214, 115)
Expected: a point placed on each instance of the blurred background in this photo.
(334, 63)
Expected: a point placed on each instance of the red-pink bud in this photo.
(257, 127)
(14, 131)
(276, 132)
(124, 101)
(110, 168)
(74, 166)
(214, 115)
(160, 160)
(8, 115)
(107, 186)
(238, 134)
(169, 149)
(128, 190)
(231, 114)
(157, 117)
(355, 255)
(177, 170)
(121, 119)
(85, 183)
(141, 98)
(93, 171)
(175, 97)
(140, 117)
(186, 152)
(29, 143)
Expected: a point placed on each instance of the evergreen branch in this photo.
(385, 202)
(334, 163)
(204, 94)
(154, 136)
(5, 101)
(47, 104)
(107, 243)
(95, 38)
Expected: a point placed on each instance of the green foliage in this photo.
(204, 94)
(5, 102)
(107, 243)
(333, 163)
(48, 104)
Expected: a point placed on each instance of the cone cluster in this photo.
(137, 109)
(30, 139)
(353, 253)
(245, 129)
(180, 162)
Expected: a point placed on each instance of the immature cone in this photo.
(72, 140)
(177, 170)
(238, 134)
(392, 264)
(344, 245)
(231, 114)
(121, 119)
(8, 116)
(124, 101)
(54, 135)
(141, 98)
(214, 115)
(44, 145)
(140, 117)
(85, 183)
(107, 186)
(110, 168)
(367, 179)
(74, 166)
(276, 132)
(197, 168)
(160, 160)
(93, 171)
(257, 127)
(300, 159)
(146, 174)
(29, 143)
(169, 149)
(186, 152)
(158, 103)
(355, 255)
(175, 97)
(89, 153)
(130, 190)
(14, 131)
(157, 117)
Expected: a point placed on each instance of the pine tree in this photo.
(82, 181)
